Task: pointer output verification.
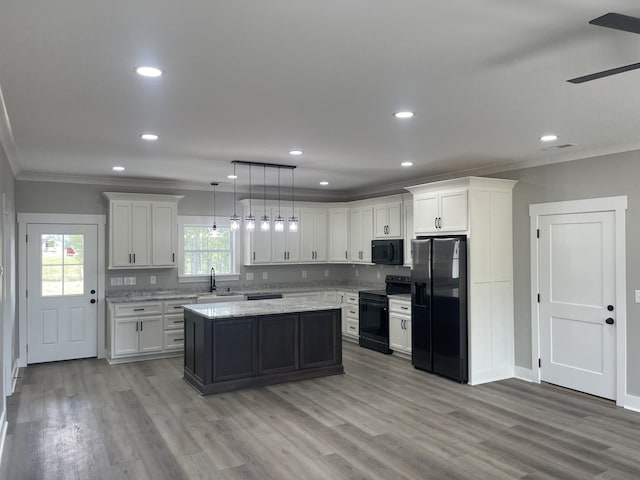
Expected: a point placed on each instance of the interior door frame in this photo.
(24, 219)
(617, 205)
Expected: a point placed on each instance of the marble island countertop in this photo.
(217, 311)
(144, 296)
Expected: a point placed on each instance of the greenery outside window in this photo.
(200, 249)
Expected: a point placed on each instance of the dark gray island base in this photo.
(232, 350)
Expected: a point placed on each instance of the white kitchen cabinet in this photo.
(387, 220)
(257, 245)
(313, 235)
(351, 314)
(360, 234)
(134, 335)
(164, 234)
(400, 325)
(143, 230)
(339, 235)
(285, 245)
(408, 232)
(481, 209)
(440, 211)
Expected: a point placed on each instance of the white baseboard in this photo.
(493, 375)
(525, 374)
(3, 432)
(15, 372)
(632, 402)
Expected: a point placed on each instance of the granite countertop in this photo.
(144, 296)
(217, 311)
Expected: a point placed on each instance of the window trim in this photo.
(184, 220)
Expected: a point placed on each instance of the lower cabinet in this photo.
(138, 335)
(400, 325)
(351, 315)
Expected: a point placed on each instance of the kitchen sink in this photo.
(221, 297)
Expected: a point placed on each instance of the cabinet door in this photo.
(120, 234)
(408, 232)
(125, 336)
(141, 234)
(151, 334)
(394, 220)
(319, 336)
(397, 333)
(279, 241)
(278, 340)
(425, 213)
(380, 221)
(320, 245)
(453, 211)
(338, 234)
(367, 234)
(260, 244)
(164, 220)
(355, 235)
(407, 329)
(234, 349)
(307, 234)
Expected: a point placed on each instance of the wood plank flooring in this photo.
(382, 420)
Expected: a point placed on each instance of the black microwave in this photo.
(387, 252)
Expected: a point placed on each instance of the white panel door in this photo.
(577, 305)
(62, 280)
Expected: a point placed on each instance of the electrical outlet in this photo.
(129, 280)
(357, 273)
(378, 274)
(637, 296)
(249, 276)
(304, 274)
(265, 275)
(326, 273)
(116, 281)
(152, 280)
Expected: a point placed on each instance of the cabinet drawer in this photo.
(173, 321)
(400, 307)
(174, 340)
(352, 327)
(351, 298)
(137, 309)
(175, 306)
(352, 312)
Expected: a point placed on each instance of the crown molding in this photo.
(7, 141)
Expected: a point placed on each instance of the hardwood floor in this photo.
(381, 420)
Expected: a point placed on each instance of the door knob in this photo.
(93, 291)
(609, 321)
(610, 308)
(93, 300)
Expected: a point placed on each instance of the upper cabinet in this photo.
(285, 245)
(439, 211)
(143, 230)
(387, 220)
(313, 234)
(360, 234)
(339, 235)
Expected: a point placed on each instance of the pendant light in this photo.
(250, 220)
(264, 220)
(234, 220)
(214, 229)
(278, 222)
(293, 220)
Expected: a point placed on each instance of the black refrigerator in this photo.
(439, 306)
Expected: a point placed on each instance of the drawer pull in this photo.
(138, 309)
(404, 308)
(178, 306)
(177, 339)
(178, 321)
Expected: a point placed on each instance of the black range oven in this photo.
(374, 313)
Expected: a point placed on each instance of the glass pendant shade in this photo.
(278, 224)
(234, 222)
(264, 223)
(250, 223)
(293, 223)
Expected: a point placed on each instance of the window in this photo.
(200, 249)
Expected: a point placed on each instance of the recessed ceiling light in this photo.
(407, 164)
(548, 138)
(150, 137)
(295, 152)
(148, 71)
(232, 177)
(405, 114)
(118, 169)
(324, 182)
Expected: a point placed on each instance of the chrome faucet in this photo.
(212, 286)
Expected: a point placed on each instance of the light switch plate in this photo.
(152, 280)
(249, 276)
(265, 275)
(116, 281)
(378, 274)
(129, 280)
(304, 274)
(637, 296)
(326, 273)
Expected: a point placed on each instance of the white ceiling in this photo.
(252, 79)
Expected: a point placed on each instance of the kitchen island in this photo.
(228, 346)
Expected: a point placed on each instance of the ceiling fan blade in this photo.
(618, 22)
(605, 73)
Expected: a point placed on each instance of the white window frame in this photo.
(184, 220)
